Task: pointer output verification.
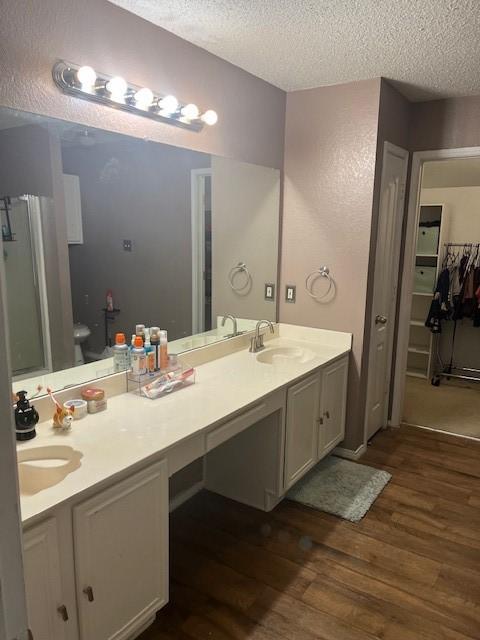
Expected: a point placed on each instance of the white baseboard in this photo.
(349, 454)
(183, 496)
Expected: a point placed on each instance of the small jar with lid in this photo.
(95, 398)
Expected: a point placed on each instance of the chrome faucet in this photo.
(256, 343)
(234, 322)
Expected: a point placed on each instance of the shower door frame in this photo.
(34, 210)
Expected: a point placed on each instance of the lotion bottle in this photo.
(139, 366)
(120, 353)
(155, 342)
(163, 350)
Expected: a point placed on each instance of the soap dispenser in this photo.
(26, 417)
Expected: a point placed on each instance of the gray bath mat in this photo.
(344, 488)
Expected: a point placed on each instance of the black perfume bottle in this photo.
(26, 417)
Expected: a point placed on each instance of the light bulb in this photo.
(87, 77)
(117, 87)
(210, 117)
(143, 98)
(168, 104)
(190, 111)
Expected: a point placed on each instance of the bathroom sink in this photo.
(43, 467)
(285, 355)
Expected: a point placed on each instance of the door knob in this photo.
(380, 320)
(88, 591)
(62, 610)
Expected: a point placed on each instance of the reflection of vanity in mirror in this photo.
(179, 238)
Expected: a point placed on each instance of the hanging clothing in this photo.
(440, 306)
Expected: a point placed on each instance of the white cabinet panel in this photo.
(73, 209)
(121, 555)
(301, 446)
(333, 405)
(43, 582)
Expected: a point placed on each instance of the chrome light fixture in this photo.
(114, 91)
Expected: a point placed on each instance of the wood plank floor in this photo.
(410, 570)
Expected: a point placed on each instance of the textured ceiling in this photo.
(430, 48)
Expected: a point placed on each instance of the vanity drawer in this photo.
(246, 419)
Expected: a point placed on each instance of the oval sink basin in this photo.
(43, 467)
(285, 355)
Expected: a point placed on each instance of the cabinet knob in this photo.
(62, 610)
(327, 415)
(320, 420)
(88, 591)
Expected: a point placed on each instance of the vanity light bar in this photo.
(84, 82)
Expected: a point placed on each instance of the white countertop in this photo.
(134, 429)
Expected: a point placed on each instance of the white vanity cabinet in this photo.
(301, 439)
(46, 607)
(121, 555)
(315, 418)
(333, 406)
(119, 542)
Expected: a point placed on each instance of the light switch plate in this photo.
(290, 293)
(269, 291)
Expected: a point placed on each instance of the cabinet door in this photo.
(45, 609)
(301, 446)
(121, 555)
(333, 405)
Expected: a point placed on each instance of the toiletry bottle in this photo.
(140, 331)
(138, 357)
(163, 350)
(26, 417)
(149, 354)
(155, 342)
(120, 353)
(109, 300)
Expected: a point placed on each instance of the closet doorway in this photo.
(439, 332)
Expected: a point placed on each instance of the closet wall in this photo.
(460, 223)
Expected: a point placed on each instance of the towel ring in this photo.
(241, 267)
(323, 272)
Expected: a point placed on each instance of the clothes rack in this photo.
(453, 255)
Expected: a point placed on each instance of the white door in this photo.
(121, 555)
(333, 405)
(13, 611)
(386, 280)
(303, 416)
(47, 613)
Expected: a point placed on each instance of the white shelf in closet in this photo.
(423, 350)
(417, 373)
(423, 294)
(417, 323)
(426, 255)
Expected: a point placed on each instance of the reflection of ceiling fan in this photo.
(81, 136)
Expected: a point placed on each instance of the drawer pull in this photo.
(327, 415)
(62, 610)
(88, 591)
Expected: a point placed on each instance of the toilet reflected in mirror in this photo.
(80, 334)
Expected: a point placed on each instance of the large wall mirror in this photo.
(169, 237)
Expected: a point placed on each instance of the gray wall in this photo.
(445, 124)
(34, 34)
(30, 163)
(138, 191)
(330, 159)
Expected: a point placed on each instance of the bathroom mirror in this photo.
(102, 232)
